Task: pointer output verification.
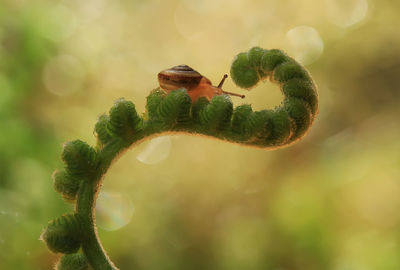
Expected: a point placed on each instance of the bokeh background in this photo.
(331, 201)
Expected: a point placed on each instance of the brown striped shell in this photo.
(181, 76)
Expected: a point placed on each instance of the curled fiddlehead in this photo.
(291, 120)
(175, 112)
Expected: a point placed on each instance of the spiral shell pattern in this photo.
(178, 77)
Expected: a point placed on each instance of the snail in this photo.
(197, 85)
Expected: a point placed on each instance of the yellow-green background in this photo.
(331, 201)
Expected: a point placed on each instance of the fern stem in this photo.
(91, 245)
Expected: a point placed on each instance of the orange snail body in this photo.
(197, 85)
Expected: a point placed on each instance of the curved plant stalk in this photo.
(122, 128)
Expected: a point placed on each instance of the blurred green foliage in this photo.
(328, 202)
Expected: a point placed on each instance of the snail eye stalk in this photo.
(233, 94)
(225, 92)
(222, 81)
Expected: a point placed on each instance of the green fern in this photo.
(175, 112)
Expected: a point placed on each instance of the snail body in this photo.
(197, 85)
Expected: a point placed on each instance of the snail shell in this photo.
(181, 76)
